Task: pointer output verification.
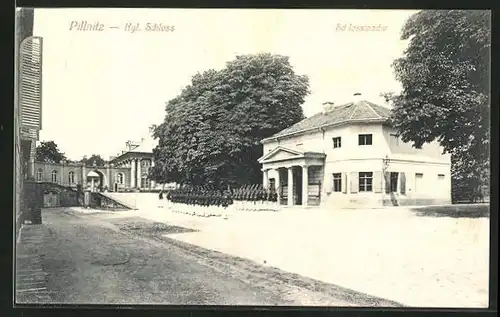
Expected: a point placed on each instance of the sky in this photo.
(102, 88)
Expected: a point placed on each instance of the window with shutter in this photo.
(403, 183)
(30, 83)
(354, 182)
(365, 181)
(344, 183)
(337, 182)
(377, 182)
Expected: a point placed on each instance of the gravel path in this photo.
(95, 259)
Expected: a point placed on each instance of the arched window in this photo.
(54, 176)
(39, 175)
(120, 178)
(71, 177)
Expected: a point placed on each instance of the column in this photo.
(139, 174)
(62, 177)
(84, 177)
(132, 174)
(290, 186)
(278, 185)
(265, 178)
(305, 185)
(108, 177)
(153, 183)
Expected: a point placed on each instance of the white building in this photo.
(349, 156)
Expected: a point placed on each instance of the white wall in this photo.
(351, 157)
(428, 151)
(430, 186)
(322, 142)
(350, 149)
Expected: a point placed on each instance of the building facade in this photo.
(27, 110)
(137, 159)
(128, 171)
(349, 156)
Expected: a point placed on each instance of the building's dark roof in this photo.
(357, 111)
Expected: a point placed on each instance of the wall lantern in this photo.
(386, 162)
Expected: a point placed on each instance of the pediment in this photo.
(281, 153)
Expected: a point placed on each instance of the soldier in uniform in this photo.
(160, 196)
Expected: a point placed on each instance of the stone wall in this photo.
(34, 194)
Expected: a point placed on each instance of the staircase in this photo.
(136, 200)
(103, 201)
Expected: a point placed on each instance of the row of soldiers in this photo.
(255, 193)
(201, 196)
(206, 196)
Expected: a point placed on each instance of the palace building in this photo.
(349, 156)
(128, 171)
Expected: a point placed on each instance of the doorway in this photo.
(394, 182)
(50, 199)
(297, 186)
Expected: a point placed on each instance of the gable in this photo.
(281, 153)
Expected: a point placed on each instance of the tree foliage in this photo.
(93, 160)
(212, 130)
(48, 152)
(445, 97)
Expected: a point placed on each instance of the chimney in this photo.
(357, 97)
(327, 106)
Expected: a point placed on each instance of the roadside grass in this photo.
(139, 225)
(454, 211)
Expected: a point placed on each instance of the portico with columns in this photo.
(138, 159)
(295, 175)
(139, 164)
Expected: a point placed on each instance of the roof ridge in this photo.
(354, 111)
(373, 110)
(343, 113)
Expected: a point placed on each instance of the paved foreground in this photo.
(427, 257)
(103, 259)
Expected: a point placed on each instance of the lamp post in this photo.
(385, 162)
(385, 166)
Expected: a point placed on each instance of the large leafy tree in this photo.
(445, 96)
(48, 152)
(93, 160)
(212, 130)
